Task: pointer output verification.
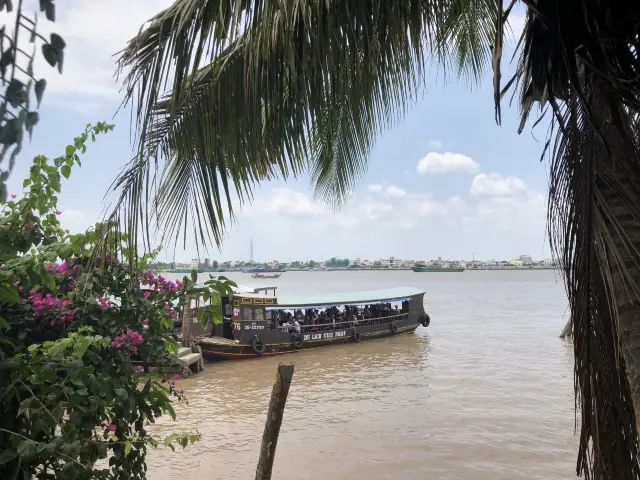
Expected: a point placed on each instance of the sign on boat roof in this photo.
(345, 298)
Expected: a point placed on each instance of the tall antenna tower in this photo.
(251, 252)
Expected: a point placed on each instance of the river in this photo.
(486, 392)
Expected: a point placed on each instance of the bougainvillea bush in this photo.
(79, 327)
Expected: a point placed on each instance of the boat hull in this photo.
(214, 348)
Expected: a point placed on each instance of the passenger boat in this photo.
(256, 324)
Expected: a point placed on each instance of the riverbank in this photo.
(401, 269)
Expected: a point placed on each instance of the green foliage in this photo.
(17, 76)
(78, 334)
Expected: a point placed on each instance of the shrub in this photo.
(77, 324)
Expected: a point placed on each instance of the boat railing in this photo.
(342, 324)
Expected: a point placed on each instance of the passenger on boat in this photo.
(296, 326)
(323, 319)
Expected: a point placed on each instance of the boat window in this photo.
(247, 314)
(258, 314)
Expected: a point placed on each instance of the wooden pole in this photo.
(284, 375)
(567, 328)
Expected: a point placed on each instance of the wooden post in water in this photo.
(284, 375)
(566, 331)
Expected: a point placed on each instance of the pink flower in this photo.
(115, 344)
(112, 427)
(146, 321)
(181, 392)
(167, 307)
(140, 369)
(58, 212)
(13, 195)
(146, 294)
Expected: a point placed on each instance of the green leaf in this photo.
(128, 446)
(27, 448)
(9, 294)
(3, 323)
(7, 456)
(16, 94)
(32, 119)
(194, 275)
(122, 394)
(65, 170)
(24, 405)
(70, 150)
(10, 132)
(39, 89)
(57, 42)
(170, 345)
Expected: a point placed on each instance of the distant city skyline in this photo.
(525, 258)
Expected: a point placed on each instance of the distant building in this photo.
(357, 263)
(207, 263)
(525, 259)
(391, 262)
(408, 263)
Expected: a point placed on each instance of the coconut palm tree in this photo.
(280, 88)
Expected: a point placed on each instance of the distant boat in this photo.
(437, 268)
(261, 275)
(185, 270)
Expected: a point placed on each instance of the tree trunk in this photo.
(594, 214)
(625, 275)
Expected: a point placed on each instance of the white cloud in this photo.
(394, 192)
(75, 220)
(494, 184)
(286, 202)
(94, 32)
(428, 207)
(375, 187)
(415, 225)
(437, 144)
(435, 162)
(373, 210)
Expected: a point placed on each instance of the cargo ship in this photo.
(437, 268)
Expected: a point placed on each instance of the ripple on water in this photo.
(486, 392)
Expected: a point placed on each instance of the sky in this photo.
(445, 182)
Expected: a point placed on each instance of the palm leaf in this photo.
(278, 99)
(579, 58)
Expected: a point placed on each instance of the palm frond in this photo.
(579, 58)
(305, 87)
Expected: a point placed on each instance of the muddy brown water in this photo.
(486, 392)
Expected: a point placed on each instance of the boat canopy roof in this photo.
(243, 289)
(370, 297)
